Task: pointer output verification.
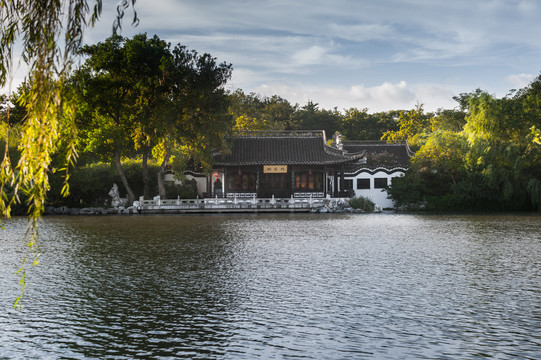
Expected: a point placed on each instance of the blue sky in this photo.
(378, 54)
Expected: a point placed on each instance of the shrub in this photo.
(362, 203)
(90, 184)
(188, 190)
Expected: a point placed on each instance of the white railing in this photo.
(235, 202)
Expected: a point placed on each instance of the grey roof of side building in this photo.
(387, 155)
(284, 148)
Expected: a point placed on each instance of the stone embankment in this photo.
(339, 208)
(64, 210)
(335, 206)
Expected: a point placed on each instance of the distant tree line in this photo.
(140, 100)
(254, 112)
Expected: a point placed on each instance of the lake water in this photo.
(380, 286)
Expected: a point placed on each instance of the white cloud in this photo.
(395, 53)
(359, 32)
(385, 93)
(520, 80)
(434, 97)
(245, 79)
(383, 97)
(287, 35)
(310, 56)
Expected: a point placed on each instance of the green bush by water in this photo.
(362, 203)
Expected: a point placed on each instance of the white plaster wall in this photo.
(170, 177)
(201, 182)
(378, 196)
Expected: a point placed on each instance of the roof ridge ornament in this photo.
(337, 141)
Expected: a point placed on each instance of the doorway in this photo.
(278, 185)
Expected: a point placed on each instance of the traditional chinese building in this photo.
(280, 164)
(301, 164)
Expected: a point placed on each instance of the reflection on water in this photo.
(276, 286)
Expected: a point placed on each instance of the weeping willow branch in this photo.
(50, 33)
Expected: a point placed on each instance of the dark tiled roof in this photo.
(288, 148)
(382, 154)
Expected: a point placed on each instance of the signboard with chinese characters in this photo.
(275, 169)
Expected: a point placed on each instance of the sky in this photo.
(376, 54)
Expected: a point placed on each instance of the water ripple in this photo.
(308, 287)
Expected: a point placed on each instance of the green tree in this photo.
(355, 123)
(247, 112)
(110, 95)
(449, 120)
(386, 121)
(310, 117)
(358, 124)
(253, 113)
(530, 97)
(435, 170)
(413, 126)
(502, 146)
(197, 118)
(491, 162)
(442, 154)
(145, 97)
(150, 65)
(279, 112)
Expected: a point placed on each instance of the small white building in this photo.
(384, 160)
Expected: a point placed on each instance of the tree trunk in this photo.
(161, 176)
(146, 178)
(118, 164)
(161, 187)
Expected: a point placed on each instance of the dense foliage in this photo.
(139, 97)
(252, 112)
(491, 162)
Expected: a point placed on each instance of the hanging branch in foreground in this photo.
(50, 34)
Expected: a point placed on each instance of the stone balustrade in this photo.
(235, 204)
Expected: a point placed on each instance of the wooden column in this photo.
(335, 192)
(342, 180)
